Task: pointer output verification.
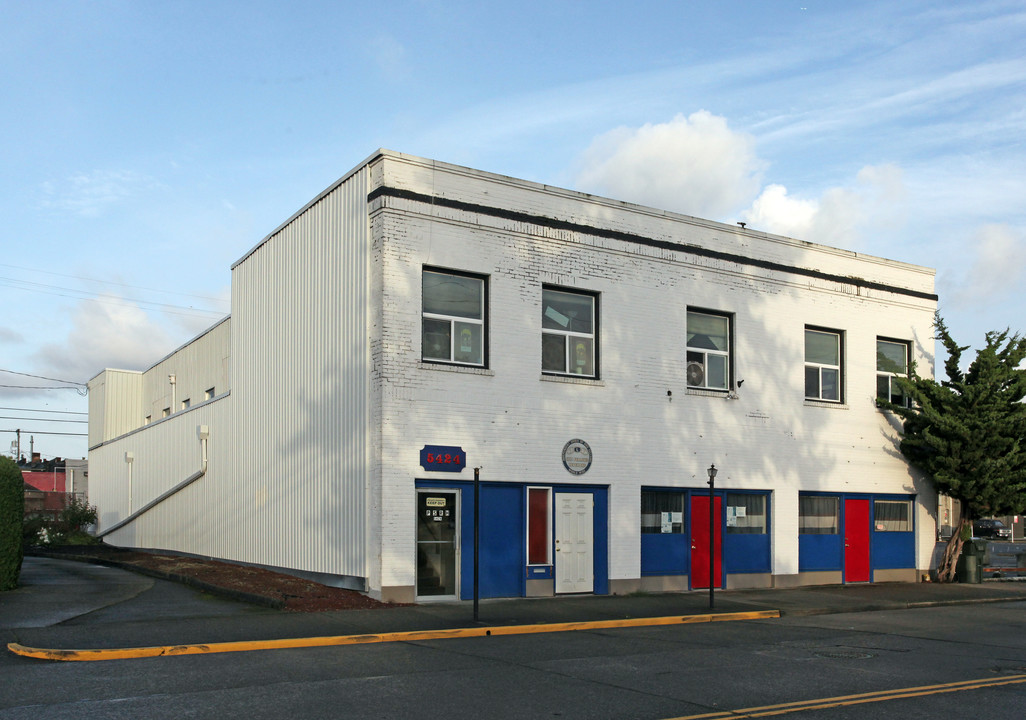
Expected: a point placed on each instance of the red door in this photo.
(700, 542)
(856, 540)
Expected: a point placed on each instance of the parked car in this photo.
(991, 529)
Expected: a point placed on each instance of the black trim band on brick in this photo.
(639, 240)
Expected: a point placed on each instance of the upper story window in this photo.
(708, 353)
(892, 359)
(186, 403)
(208, 394)
(569, 333)
(823, 371)
(454, 307)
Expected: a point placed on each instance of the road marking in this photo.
(410, 636)
(861, 699)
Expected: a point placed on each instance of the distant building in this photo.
(593, 358)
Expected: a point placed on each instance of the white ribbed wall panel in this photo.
(197, 366)
(164, 455)
(115, 398)
(300, 384)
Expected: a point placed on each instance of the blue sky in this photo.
(146, 146)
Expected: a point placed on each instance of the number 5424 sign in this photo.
(443, 458)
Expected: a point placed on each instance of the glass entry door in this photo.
(437, 544)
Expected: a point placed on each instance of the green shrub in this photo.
(76, 516)
(12, 515)
(67, 528)
(31, 529)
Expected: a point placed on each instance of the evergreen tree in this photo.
(12, 515)
(968, 433)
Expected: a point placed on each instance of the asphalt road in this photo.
(654, 672)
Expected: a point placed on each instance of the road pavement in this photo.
(70, 605)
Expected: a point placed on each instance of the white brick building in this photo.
(593, 358)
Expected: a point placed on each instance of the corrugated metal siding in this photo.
(300, 391)
(114, 403)
(163, 456)
(198, 366)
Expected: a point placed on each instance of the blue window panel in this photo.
(892, 550)
(746, 553)
(664, 554)
(819, 552)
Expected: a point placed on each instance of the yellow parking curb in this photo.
(411, 636)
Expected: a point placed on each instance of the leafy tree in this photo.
(968, 433)
(12, 515)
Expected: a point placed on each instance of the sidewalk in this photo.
(111, 608)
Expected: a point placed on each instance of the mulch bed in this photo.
(289, 592)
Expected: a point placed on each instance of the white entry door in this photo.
(574, 540)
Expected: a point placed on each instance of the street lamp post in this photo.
(712, 530)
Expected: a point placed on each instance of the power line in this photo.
(35, 271)
(49, 420)
(44, 432)
(120, 302)
(55, 412)
(79, 390)
(41, 377)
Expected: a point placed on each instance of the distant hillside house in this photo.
(591, 358)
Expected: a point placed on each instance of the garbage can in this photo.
(969, 568)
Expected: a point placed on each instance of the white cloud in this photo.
(89, 194)
(105, 333)
(390, 56)
(875, 203)
(695, 165)
(996, 262)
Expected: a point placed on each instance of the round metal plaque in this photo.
(576, 457)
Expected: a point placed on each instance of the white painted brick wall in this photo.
(513, 421)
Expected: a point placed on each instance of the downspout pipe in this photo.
(203, 431)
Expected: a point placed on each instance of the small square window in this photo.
(823, 370)
(453, 323)
(208, 394)
(569, 333)
(186, 403)
(708, 354)
(165, 412)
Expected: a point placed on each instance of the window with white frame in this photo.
(823, 371)
(569, 336)
(453, 329)
(708, 353)
(892, 360)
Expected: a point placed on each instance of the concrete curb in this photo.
(409, 636)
